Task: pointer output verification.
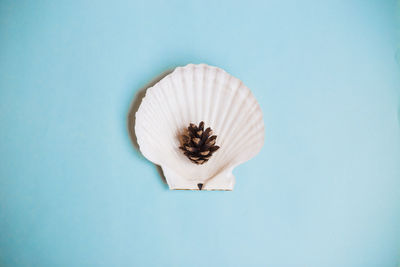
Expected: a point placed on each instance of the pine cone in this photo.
(199, 144)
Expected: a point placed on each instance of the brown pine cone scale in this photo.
(199, 144)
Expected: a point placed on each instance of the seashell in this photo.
(192, 94)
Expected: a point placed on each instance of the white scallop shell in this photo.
(197, 93)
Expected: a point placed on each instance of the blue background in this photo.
(324, 191)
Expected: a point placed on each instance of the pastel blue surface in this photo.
(324, 191)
